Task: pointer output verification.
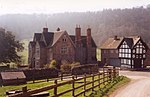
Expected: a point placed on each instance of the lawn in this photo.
(106, 91)
(43, 83)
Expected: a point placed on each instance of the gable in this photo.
(141, 43)
(63, 37)
(124, 45)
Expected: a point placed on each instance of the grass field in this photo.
(24, 54)
(31, 85)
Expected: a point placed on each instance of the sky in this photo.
(59, 6)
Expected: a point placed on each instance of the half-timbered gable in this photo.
(132, 52)
(125, 54)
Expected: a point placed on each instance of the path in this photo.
(138, 87)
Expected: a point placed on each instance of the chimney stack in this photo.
(78, 34)
(89, 36)
(115, 37)
(45, 29)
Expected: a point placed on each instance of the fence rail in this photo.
(95, 81)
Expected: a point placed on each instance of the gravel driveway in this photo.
(138, 87)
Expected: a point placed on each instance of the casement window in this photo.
(64, 50)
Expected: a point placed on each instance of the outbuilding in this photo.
(12, 78)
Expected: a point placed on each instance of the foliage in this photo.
(104, 24)
(53, 64)
(9, 48)
(68, 67)
(74, 64)
(65, 68)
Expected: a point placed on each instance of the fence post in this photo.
(61, 76)
(76, 76)
(110, 74)
(103, 76)
(114, 72)
(55, 88)
(73, 84)
(24, 89)
(92, 82)
(84, 83)
(99, 78)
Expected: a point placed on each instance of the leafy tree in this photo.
(9, 47)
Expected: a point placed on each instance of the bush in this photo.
(65, 68)
(68, 67)
(51, 65)
(75, 64)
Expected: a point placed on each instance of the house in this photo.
(59, 46)
(12, 78)
(124, 51)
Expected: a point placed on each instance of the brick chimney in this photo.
(88, 39)
(78, 34)
(45, 29)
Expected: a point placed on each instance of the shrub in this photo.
(51, 65)
(75, 64)
(65, 68)
(68, 67)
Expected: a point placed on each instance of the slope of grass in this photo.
(24, 54)
(117, 83)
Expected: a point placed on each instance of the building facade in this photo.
(59, 46)
(127, 52)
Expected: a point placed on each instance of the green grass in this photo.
(24, 54)
(42, 83)
(112, 86)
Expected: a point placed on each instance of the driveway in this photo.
(138, 87)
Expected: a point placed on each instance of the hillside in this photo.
(104, 24)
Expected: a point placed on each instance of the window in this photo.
(144, 51)
(64, 50)
(133, 56)
(144, 56)
(64, 38)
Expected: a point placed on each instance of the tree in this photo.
(9, 47)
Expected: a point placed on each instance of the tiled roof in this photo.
(37, 36)
(112, 43)
(135, 39)
(42, 44)
(12, 75)
(48, 36)
(52, 37)
(57, 35)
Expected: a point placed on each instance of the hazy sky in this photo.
(56, 6)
